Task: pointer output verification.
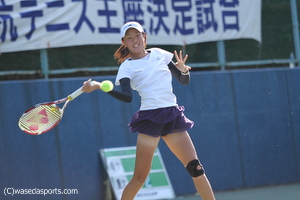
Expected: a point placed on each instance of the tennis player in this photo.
(150, 71)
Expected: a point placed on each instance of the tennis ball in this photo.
(107, 86)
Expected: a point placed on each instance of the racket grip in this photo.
(75, 94)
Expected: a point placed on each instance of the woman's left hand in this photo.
(180, 64)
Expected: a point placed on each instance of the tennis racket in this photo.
(45, 116)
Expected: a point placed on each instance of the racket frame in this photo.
(53, 103)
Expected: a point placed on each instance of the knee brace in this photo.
(195, 168)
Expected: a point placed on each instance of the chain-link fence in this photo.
(277, 43)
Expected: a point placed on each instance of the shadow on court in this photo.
(280, 192)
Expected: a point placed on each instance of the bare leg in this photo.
(183, 148)
(145, 149)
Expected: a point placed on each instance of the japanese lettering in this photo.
(107, 13)
(7, 22)
(133, 11)
(159, 12)
(184, 8)
(32, 15)
(209, 15)
(60, 26)
(83, 17)
(230, 17)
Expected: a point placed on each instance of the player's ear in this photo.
(123, 43)
(145, 39)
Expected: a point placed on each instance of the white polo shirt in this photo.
(151, 77)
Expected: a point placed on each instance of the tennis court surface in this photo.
(280, 192)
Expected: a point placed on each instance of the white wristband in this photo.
(185, 73)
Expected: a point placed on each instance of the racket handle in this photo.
(77, 92)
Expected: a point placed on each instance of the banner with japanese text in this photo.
(40, 24)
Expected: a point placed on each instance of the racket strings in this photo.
(40, 119)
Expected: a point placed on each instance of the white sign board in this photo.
(119, 164)
(39, 24)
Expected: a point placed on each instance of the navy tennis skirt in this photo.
(160, 122)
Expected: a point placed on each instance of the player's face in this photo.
(134, 40)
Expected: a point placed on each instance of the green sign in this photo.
(119, 164)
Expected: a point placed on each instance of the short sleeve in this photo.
(167, 55)
(123, 72)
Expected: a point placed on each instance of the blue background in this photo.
(247, 133)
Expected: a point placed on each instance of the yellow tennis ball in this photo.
(107, 86)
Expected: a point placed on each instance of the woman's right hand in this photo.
(89, 86)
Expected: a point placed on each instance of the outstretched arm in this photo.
(124, 95)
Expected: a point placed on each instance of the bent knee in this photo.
(195, 168)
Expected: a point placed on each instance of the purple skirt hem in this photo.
(160, 122)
